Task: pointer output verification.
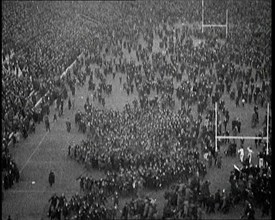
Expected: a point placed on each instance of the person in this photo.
(53, 203)
(124, 214)
(54, 117)
(69, 151)
(210, 204)
(243, 102)
(241, 153)
(218, 199)
(249, 212)
(73, 103)
(60, 112)
(116, 199)
(69, 103)
(17, 136)
(16, 174)
(51, 178)
(265, 208)
(68, 124)
(32, 125)
(47, 123)
(249, 154)
(6, 182)
(242, 142)
(219, 161)
(9, 217)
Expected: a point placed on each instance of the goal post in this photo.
(267, 128)
(213, 25)
(241, 137)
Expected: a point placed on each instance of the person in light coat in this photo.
(249, 154)
(241, 153)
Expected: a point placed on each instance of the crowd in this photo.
(32, 65)
(90, 206)
(34, 54)
(251, 185)
(26, 101)
(143, 145)
(9, 170)
(116, 133)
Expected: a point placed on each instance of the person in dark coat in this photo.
(24, 131)
(68, 124)
(53, 204)
(218, 199)
(6, 182)
(124, 214)
(51, 178)
(210, 204)
(11, 179)
(47, 123)
(54, 117)
(265, 208)
(16, 174)
(69, 104)
(249, 211)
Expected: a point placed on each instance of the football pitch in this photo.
(44, 151)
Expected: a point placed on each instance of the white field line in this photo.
(33, 152)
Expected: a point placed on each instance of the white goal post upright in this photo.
(267, 128)
(212, 25)
(216, 127)
(241, 137)
(202, 16)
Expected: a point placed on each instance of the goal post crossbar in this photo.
(240, 137)
(214, 25)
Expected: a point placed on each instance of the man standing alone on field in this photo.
(51, 178)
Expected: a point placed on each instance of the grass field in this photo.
(45, 151)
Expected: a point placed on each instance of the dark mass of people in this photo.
(155, 141)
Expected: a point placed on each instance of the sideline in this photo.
(62, 75)
(33, 152)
